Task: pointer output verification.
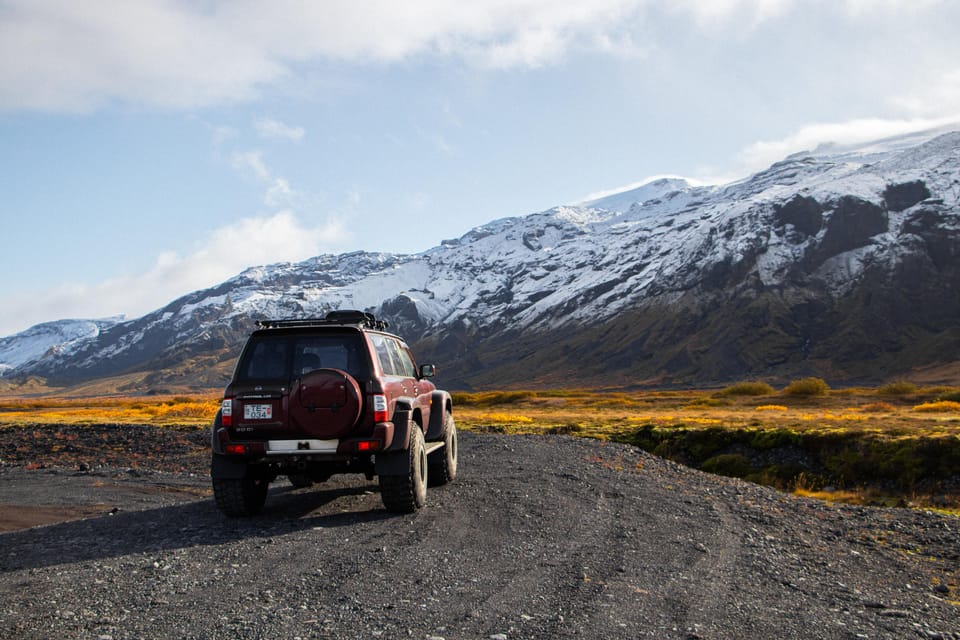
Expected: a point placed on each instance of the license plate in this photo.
(257, 411)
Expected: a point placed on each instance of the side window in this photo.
(380, 344)
(402, 359)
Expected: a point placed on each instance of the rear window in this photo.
(279, 358)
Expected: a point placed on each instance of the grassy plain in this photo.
(616, 415)
(157, 410)
(898, 444)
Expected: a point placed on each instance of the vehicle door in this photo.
(395, 383)
(420, 390)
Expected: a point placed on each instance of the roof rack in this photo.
(342, 317)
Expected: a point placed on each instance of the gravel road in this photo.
(539, 537)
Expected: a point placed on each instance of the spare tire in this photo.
(325, 403)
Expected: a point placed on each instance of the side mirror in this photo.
(428, 370)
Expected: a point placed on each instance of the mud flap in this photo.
(396, 460)
(401, 430)
(224, 468)
(396, 463)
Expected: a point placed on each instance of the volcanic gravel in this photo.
(539, 537)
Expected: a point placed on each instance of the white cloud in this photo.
(280, 237)
(274, 129)
(760, 155)
(222, 134)
(62, 55)
(716, 14)
(251, 162)
(278, 192)
(940, 94)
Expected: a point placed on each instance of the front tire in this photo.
(443, 462)
(240, 497)
(408, 492)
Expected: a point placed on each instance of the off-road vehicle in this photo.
(311, 398)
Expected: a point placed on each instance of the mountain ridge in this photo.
(834, 265)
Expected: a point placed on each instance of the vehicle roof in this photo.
(349, 319)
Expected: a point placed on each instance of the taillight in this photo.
(368, 446)
(226, 412)
(380, 408)
(236, 449)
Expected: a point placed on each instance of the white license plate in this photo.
(257, 411)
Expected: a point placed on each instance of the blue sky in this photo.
(153, 147)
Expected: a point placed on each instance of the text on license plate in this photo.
(257, 411)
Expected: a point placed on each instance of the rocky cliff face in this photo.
(840, 264)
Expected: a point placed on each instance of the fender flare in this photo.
(215, 446)
(440, 405)
(402, 423)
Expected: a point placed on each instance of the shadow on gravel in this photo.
(181, 526)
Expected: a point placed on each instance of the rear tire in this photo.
(442, 463)
(407, 493)
(240, 497)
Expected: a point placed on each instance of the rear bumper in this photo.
(227, 444)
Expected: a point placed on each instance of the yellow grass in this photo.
(158, 410)
(605, 415)
(504, 418)
(942, 406)
(594, 413)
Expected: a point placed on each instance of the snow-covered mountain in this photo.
(841, 262)
(49, 339)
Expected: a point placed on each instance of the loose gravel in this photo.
(539, 537)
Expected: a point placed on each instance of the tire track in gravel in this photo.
(700, 605)
(539, 537)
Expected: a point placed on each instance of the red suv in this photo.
(311, 398)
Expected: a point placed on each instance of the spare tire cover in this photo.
(326, 403)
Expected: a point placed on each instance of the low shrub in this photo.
(806, 387)
(504, 418)
(489, 398)
(756, 388)
(771, 407)
(734, 465)
(878, 407)
(899, 388)
(705, 403)
(775, 438)
(953, 396)
(940, 406)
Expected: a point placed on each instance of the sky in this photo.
(150, 148)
